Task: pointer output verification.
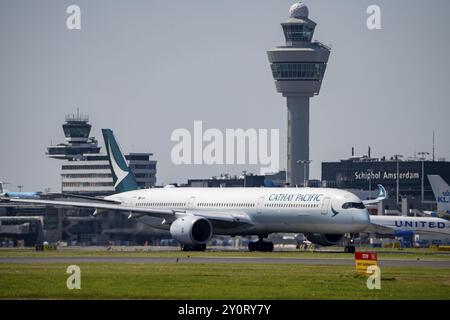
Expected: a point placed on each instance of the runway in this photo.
(226, 260)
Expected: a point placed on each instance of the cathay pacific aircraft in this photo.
(194, 215)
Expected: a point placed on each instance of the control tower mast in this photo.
(298, 69)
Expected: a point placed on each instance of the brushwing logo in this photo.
(334, 211)
(120, 174)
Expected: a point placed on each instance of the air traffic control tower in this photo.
(298, 69)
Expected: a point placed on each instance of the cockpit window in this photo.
(356, 205)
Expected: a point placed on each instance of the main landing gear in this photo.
(193, 247)
(260, 245)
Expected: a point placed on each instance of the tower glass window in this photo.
(298, 32)
(298, 71)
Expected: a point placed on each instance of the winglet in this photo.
(382, 195)
(123, 178)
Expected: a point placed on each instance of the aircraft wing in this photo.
(378, 228)
(216, 218)
(382, 195)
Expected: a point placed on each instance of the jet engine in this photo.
(324, 239)
(191, 230)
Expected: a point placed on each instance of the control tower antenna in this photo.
(298, 69)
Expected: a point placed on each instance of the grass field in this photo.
(215, 281)
(218, 281)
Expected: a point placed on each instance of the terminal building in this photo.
(401, 177)
(85, 170)
(244, 181)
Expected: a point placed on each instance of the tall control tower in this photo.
(298, 69)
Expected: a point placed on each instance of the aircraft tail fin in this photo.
(441, 191)
(124, 180)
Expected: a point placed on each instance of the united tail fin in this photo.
(441, 192)
(124, 180)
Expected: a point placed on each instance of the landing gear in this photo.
(193, 247)
(349, 249)
(260, 245)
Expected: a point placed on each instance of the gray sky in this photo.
(145, 68)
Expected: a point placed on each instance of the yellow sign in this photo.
(365, 259)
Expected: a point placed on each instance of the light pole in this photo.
(397, 158)
(304, 162)
(423, 154)
(370, 171)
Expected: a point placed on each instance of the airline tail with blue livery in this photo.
(123, 178)
(441, 191)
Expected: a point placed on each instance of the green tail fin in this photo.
(123, 178)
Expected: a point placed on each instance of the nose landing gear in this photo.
(349, 247)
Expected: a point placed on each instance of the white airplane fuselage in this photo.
(262, 210)
(417, 225)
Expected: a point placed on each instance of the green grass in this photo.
(217, 281)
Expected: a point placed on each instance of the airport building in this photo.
(401, 177)
(244, 181)
(85, 170)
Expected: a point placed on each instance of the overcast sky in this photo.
(146, 68)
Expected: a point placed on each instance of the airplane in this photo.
(400, 226)
(441, 192)
(194, 215)
(20, 195)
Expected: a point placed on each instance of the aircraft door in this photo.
(325, 205)
(260, 205)
(191, 203)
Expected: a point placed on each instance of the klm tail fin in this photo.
(123, 178)
(441, 191)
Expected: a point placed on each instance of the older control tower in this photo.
(298, 69)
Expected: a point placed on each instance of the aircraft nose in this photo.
(362, 218)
